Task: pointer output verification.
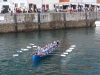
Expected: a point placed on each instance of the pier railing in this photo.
(47, 17)
(23, 22)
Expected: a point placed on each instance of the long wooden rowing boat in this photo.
(50, 50)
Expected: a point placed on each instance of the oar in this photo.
(31, 44)
(57, 54)
(54, 54)
(28, 59)
(63, 55)
(15, 55)
(28, 47)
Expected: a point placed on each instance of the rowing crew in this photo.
(47, 48)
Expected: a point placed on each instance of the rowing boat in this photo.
(50, 50)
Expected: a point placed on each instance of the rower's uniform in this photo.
(39, 49)
(48, 48)
(45, 51)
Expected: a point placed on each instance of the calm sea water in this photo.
(83, 60)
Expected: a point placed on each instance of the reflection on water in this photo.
(37, 65)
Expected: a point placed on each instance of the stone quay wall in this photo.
(46, 21)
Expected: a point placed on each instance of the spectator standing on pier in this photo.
(55, 9)
(2, 10)
(43, 9)
(16, 10)
(9, 10)
(46, 9)
(82, 8)
(36, 10)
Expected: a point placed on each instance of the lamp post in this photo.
(42, 2)
(27, 5)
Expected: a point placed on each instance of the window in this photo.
(16, 5)
(22, 4)
(5, 0)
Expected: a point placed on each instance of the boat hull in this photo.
(37, 57)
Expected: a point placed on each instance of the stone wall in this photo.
(48, 21)
(98, 15)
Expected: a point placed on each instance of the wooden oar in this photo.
(28, 59)
(54, 54)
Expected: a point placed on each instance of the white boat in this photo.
(97, 23)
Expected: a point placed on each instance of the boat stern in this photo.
(36, 57)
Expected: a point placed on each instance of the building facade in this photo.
(64, 0)
(46, 4)
(5, 4)
(64, 4)
(98, 1)
(42, 3)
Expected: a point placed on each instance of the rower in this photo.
(39, 50)
(44, 52)
(55, 42)
(58, 41)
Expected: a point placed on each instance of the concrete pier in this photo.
(46, 21)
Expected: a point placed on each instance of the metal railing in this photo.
(47, 17)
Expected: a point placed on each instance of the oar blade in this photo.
(63, 55)
(29, 47)
(15, 55)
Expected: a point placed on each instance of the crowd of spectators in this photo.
(32, 10)
(24, 10)
(78, 9)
